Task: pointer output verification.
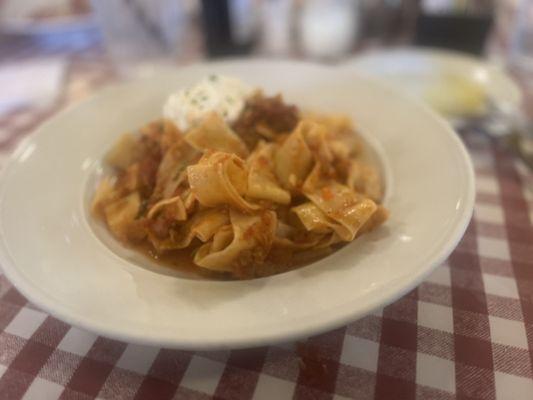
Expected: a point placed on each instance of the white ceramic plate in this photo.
(56, 256)
(416, 70)
(16, 18)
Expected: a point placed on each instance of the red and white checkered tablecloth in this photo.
(466, 332)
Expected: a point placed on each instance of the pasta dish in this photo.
(241, 183)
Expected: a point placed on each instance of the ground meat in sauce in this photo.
(262, 114)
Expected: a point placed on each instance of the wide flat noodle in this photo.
(262, 183)
(335, 124)
(291, 239)
(314, 220)
(203, 225)
(170, 135)
(129, 180)
(121, 215)
(213, 133)
(105, 193)
(189, 200)
(293, 160)
(246, 244)
(172, 172)
(316, 138)
(343, 205)
(339, 202)
(378, 218)
(124, 152)
(171, 208)
(365, 179)
(220, 179)
(342, 137)
(294, 245)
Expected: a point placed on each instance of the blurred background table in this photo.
(465, 332)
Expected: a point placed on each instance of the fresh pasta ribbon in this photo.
(314, 220)
(306, 146)
(340, 134)
(290, 239)
(338, 202)
(344, 206)
(173, 208)
(293, 160)
(364, 179)
(316, 138)
(262, 183)
(105, 193)
(220, 179)
(121, 215)
(203, 226)
(125, 152)
(171, 172)
(244, 243)
(214, 134)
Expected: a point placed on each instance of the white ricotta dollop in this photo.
(221, 94)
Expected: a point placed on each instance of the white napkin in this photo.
(30, 83)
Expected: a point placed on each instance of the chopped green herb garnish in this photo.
(213, 78)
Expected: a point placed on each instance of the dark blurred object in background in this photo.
(227, 27)
(216, 26)
(388, 22)
(455, 25)
(466, 33)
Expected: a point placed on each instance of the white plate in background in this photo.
(52, 255)
(421, 72)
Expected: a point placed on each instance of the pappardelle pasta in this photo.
(246, 192)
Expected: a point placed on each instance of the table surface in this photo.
(465, 332)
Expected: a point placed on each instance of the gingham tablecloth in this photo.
(466, 332)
